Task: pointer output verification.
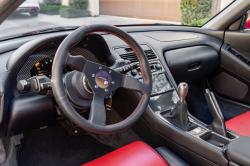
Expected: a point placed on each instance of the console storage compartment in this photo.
(215, 139)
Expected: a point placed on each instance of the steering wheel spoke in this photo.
(76, 62)
(133, 84)
(102, 79)
(97, 111)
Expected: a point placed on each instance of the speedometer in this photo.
(42, 67)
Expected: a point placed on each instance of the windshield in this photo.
(55, 15)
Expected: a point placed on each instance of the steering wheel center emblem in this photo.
(103, 79)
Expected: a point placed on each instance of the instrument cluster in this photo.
(44, 67)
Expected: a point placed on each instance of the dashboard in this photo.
(99, 48)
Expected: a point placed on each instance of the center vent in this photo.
(133, 57)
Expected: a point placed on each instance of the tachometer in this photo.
(42, 67)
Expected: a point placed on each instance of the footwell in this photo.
(52, 147)
(197, 106)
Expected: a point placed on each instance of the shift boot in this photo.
(179, 115)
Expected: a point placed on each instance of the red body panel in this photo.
(247, 26)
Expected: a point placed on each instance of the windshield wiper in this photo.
(41, 31)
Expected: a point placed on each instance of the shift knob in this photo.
(182, 91)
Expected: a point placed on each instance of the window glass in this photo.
(35, 16)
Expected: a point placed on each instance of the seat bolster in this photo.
(134, 154)
(171, 158)
(240, 124)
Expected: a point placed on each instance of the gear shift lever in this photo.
(182, 91)
(179, 115)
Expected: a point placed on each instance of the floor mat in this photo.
(52, 147)
(116, 140)
(197, 106)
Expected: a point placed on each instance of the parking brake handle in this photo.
(218, 124)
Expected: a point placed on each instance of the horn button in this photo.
(103, 79)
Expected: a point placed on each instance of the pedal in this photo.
(76, 130)
(18, 138)
(109, 102)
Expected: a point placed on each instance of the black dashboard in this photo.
(100, 48)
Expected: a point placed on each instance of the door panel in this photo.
(232, 77)
(239, 41)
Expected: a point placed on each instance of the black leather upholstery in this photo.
(171, 158)
(239, 151)
(179, 117)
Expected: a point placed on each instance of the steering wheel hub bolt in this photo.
(93, 75)
(100, 67)
(110, 71)
(113, 82)
(106, 90)
(96, 86)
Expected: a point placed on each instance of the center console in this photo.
(199, 143)
(199, 134)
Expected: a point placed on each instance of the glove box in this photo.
(191, 63)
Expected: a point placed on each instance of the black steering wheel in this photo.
(102, 80)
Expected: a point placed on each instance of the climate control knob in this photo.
(134, 72)
(158, 66)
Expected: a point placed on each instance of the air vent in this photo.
(133, 58)
(130, 56)
(150, 54)
(241, 57)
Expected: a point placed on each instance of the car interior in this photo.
(128, 94)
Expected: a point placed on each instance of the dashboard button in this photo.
(134, 72)
(158, 66)
(120, 51)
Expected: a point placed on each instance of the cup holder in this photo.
(215, 139)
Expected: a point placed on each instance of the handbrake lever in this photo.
(218, 124)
